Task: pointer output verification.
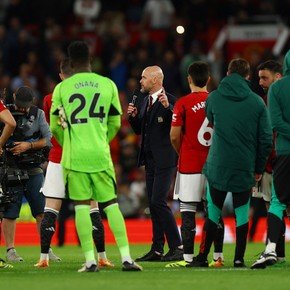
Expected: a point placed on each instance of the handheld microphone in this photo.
(134, 98)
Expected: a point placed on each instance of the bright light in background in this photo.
(180, 29)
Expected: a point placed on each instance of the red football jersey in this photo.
(189, 113)
(56, 150)
(2, 106)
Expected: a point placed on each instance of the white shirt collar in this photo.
(155, 95)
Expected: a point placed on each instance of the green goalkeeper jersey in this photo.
(92, 111)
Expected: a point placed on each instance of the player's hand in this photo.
(162, 98)
(20, 147)
(132, 110)
(62, 121)
(258, 177)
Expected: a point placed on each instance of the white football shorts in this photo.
(53, 185)
(189, 187)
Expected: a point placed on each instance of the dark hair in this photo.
(78, 52)
(239, 66)
(24, 97)
(199, 73)
(271, 65)
(65, 66)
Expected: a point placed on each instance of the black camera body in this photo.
(12, 181)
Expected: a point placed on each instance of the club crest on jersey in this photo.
(198, 106)
(160, 119)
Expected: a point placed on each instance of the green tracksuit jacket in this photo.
(242, 137)
(279, 106)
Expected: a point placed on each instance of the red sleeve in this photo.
(178, 115)
(2, 106)
(46, 106)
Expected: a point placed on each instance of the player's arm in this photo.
(55, 126)
(278, 122)
(9, 126)
(114, 124)
(115, 112)
(208, 109)
(176, 126)
(265, 141)
(175, 137)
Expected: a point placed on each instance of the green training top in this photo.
(279, 106)
(242, 137)
(90, 103)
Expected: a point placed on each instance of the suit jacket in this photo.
(157, 132)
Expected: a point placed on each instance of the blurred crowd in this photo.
(124, 36)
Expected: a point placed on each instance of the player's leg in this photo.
(79, 189)
(189, 189)
(9, 226)
(275, 226)
(104, 190)
(280, 247)
(99, 235)
(215, 200)
(54, 191)
(241, 202)
(218, 257)
(266, 188)
(280, 199)
(47, 230)
(45, 216)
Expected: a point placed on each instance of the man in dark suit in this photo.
(152, 120)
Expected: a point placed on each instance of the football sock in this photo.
(280, 247)
(219, 238)
(84, 226)
(271, 247)
(188, 230)
(102, 255)
(218, 255)
(47, 229)
(208, 235)
(98, 230)
(188, 257)
(117, 226)
(241, 241)
(275, 226)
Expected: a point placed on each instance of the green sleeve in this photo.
(278, 122)
(116, 100)
(114, 124)
(115, 112)
(265, 141)
(55, 127)
(208, 110)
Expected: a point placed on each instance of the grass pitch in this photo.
(63, 275)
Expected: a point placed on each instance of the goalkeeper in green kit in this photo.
(85, 117)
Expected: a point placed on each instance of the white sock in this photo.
(44, 257)
(271, 247)
(218, 255)
(102, 255)
(127, 259)
(188, 257)
(90, 263)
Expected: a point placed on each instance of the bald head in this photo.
(151, 79)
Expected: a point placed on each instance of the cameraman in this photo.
(31, 134)
(9, 126)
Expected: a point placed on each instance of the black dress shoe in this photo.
(173, 255)
(151, 256)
